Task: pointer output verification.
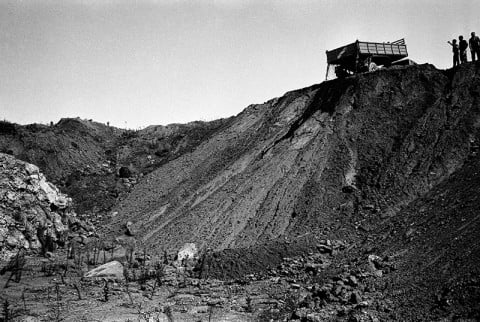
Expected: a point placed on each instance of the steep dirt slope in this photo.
(83, 157)
(329, 159)
(69, 146)
(436, 239)
(72, 154)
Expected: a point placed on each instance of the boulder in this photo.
(111, 270)
(188, 251)
(129, 229)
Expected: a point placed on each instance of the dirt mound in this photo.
(33, 213)
(83, 158)
(257, 259)
(329, 159)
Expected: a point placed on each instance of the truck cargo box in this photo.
(357, 56)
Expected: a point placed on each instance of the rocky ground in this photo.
(350, 200)
(297, 289)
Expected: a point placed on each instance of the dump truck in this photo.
(362, 56)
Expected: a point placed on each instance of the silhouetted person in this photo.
(15, 266)
(463, 45)
(455, 51)
(474, 43)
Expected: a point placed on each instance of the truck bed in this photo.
(396, 50)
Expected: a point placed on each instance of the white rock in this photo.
(31, 168)
(189, 250)
(111, 270)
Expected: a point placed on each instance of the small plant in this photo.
(143, 276)
(168, 312)
(72, 250)
(23, 299)
(50, 269)
(249, 306)
(106, 291)
(159, 274)
(210, 312)
(130, 254)
(165, 258)
(57, 311)
(6, 311)
(7, 128)
(65, 270)
(15, 266)
(126, 275)
(77, 287)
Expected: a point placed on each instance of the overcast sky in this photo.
(137, 63)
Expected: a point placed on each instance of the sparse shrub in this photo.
(6, 311)
(72, 249)
(57, 310)
(7, 128)
(15, 266)
(106, 291)
(23, 299)
(129, 134)
(50, 269)
(168, 312)
(127, 276)
(161, 152)
(77, 287)
(159, 274)
(210, 312)
(124, 172)
(46, 241)
(249, 306)
(144, 276)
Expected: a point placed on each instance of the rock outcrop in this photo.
(33, 212)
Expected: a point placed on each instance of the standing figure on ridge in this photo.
(463, 44)
(454, 45)
(474, 43)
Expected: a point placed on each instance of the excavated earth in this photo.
(354, 199)
(385, 160)
(83, 157)
(334, 159)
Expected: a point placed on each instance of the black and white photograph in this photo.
(239, 160)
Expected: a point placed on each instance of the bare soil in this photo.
(350, 200)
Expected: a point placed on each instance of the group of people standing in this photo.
(460, 49)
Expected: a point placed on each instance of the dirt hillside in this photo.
(332, 159)
(83, 158)
(352, 200)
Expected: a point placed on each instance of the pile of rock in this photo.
(350, 295)
(310, 264)
(34, 214)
